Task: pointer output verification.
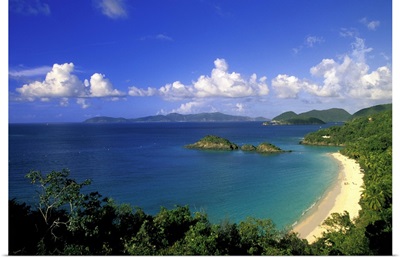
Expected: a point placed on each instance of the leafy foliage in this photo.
(304, 120)
(68, 222)
(215, 139)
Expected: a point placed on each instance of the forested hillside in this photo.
(67, 221)
(372, 110)
(367, 139)
(328, 115)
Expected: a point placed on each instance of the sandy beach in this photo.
(344, 195)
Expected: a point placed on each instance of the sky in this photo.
(70, 60)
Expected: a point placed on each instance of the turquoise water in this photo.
(145, 164)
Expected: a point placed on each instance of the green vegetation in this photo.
(212, 142)
(304, 121)
(372, 110)
(285, 116)
(311, 117)
(296, 121)
(67, 221)
(378, 125)
(328, 115)
(266, 147)
(248, 147)
(367, 139)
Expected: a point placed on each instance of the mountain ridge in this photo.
(175, 117)
(326, 116)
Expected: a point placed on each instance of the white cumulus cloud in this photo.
(221, 83)
(351, 76)
(175, 91)
(102, 87)
(189, 107)
(286, 86)
(60, 82)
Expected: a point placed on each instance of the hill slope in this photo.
(328, 115)
(372, 110)
(285, 116)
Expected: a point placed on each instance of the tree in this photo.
(57, 190)
(200, 239)
(57, 193)
(291, 244)
(259, 236)
(342, 237)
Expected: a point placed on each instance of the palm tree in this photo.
(374, 197)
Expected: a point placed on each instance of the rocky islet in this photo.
(212, 142)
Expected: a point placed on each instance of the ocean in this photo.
(147, 166)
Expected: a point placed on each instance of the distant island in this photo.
(296, 121)
(324, 116)
(311, 117)
(212, 142)
(287, 118)
(175, 117)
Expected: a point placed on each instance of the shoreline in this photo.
(343, 195)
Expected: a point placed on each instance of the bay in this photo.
(146, 165)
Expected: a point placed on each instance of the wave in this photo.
(312, 206)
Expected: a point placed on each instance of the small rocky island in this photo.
(212, 142)
(264, 147)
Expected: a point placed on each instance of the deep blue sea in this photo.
(146, 165)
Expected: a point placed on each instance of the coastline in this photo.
(343, 195)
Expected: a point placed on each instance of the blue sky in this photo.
(70, 60)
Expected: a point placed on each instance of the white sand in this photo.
(343, 196)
